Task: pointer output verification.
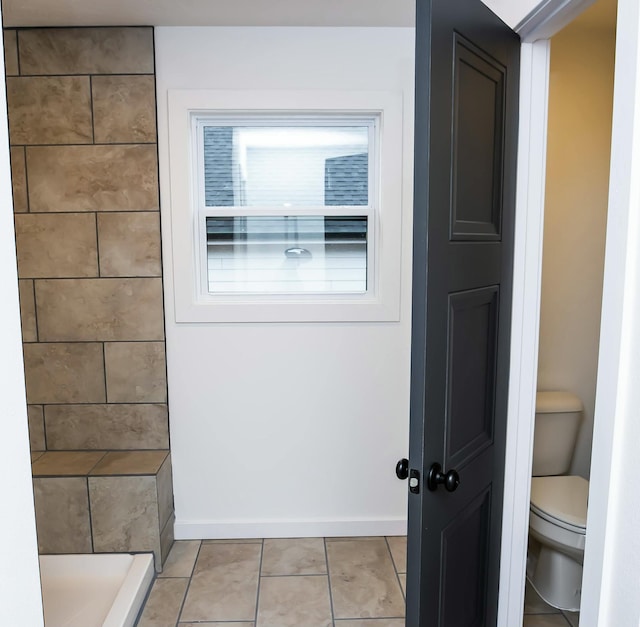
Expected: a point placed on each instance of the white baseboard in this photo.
(213, 530)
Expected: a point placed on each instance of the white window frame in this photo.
(193, 302)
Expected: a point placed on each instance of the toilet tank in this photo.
(558, 416)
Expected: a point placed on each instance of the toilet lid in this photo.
(561, 500)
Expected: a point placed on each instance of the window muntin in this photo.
(271, 186)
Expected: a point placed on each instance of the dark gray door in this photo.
(467, 64)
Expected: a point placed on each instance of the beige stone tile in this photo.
(116, 427)
(390, 622)
(130, 463)
(224, 585)
(363, 580)
(56, 245)
(181, 559)
(36, 455)
(398, 548)
(52, 110)
(164, 603)
(124, 109)
(124, 514)
(225, 624)
(136, 372)
(19, 179)
(35, 415)
(64, 373)
(11, 53)
(294, 601)
(66, 463)
(545, 620)
(127, 50)
(294, 556)
(403, 583)
(62, 515)
(164, 481)
(129, 244)
(533, 604)
(99, 309)
(93, 178)
(166, 541)
(28, 311)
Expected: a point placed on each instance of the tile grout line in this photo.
(186, 592)
(91, 106)
(93, 548)
(255, 623)
(18, 51)
(326, 559)
(395, 569)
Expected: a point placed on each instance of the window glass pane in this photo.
(287, 254)
(282, 166)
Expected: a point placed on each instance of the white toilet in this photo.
(558, 515)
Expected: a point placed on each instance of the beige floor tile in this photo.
(545, 620)
(533, 604)
(224, 584)
(164, 603)
(181, 559)
(242, 624)
(572, 617)
(403, 582)
(294, 601)
(390, 622)
(363, 580)
(398, 546)
(294, 556)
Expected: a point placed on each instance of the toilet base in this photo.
(556, 577)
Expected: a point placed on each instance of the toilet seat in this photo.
(562, 501)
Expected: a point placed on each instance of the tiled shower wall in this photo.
(82, 125)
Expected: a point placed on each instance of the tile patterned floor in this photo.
(301, 582)
(538, 614)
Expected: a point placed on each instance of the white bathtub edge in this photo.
(132, 593)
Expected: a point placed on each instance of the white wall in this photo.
(20, 601)
(579, 141)
(288, 429)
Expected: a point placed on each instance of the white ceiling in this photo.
(208, 12)
(241, 12)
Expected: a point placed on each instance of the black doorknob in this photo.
(450, 480)
(402, 469)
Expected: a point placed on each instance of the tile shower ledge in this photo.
(104, 502)
(98, 463)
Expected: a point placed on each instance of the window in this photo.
(285, 203)
(285, 206)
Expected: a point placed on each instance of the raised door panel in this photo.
(478, 140)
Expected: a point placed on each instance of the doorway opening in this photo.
(575, 217)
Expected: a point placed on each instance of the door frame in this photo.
(616, 325)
